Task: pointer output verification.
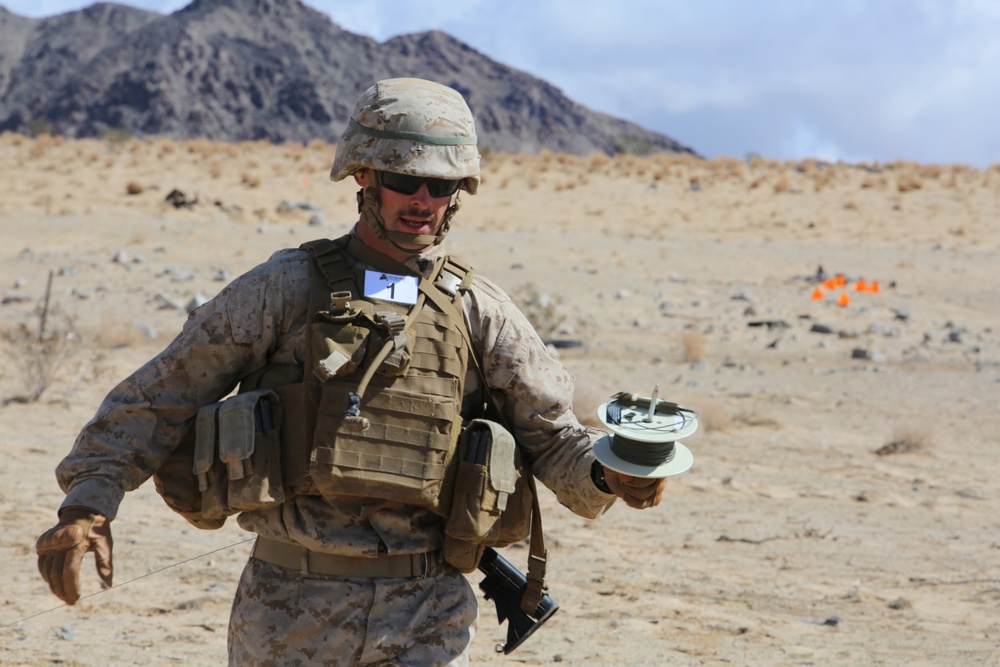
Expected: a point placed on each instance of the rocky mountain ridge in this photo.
(273, 70)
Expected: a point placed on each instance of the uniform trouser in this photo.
(281, 617)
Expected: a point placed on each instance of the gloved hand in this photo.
(61, 549)
(637, 492)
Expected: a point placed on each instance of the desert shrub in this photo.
(541, 309)
(909, 182)
(713, 416)
(692, 346)
(38, 358)
(905, 440)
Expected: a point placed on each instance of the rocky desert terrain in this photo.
(836, 326)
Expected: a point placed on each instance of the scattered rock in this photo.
(883, 330)
(16, 297)
(285, 207)
(147, 330)
(867, 355)
(180, 200)
(562, 343)
(769, 324)
(165, 302)
(315, 221)
(900, 603)
(822, 329)
(197, 300)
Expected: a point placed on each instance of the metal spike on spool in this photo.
(645, 435)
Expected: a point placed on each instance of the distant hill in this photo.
(276, 70)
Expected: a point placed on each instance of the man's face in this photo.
(417, 213)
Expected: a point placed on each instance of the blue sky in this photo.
(854, 80)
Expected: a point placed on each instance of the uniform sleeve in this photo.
(536, 395)
(143, 419)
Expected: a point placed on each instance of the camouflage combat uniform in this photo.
(281, 616)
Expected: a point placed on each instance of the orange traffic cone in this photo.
(861, 286)
(841, 280)
(873, 288)
(830, 283)
(844, 299)
(817, 295)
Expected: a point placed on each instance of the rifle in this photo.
(505, 585)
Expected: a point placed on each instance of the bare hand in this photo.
(637, 492)
(61, 550)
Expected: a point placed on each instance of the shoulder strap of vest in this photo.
(445, 287)
(334, 266)
(329, 271)
(453, 269)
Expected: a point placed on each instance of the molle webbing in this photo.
(409, 414)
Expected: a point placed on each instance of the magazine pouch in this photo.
(237, 460)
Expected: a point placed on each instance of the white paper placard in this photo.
(390, 287)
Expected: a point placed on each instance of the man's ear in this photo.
(363, 177)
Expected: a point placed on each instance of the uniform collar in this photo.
(421, 263)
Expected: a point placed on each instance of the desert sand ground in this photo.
(844, 504)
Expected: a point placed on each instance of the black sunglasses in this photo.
(408, 185)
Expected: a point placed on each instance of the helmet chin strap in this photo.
(368, 207)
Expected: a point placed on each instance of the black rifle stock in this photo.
(504, 584)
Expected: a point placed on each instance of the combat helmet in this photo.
(409, 126)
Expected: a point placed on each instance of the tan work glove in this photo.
(62, 547)
(637, 492)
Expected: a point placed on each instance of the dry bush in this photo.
(932, 171)
(782, 185)
(40, 146)
(115, 335)
(822, 179)
(215, 169)
(713, 415)
(596, 162)
(250, 180)
(38, 358)
(545, 156)
(134, 188)
(692, 346)
(541, 309)
(908, 182)
(202, 147)
(907, 439)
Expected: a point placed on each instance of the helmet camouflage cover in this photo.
(410, 126)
